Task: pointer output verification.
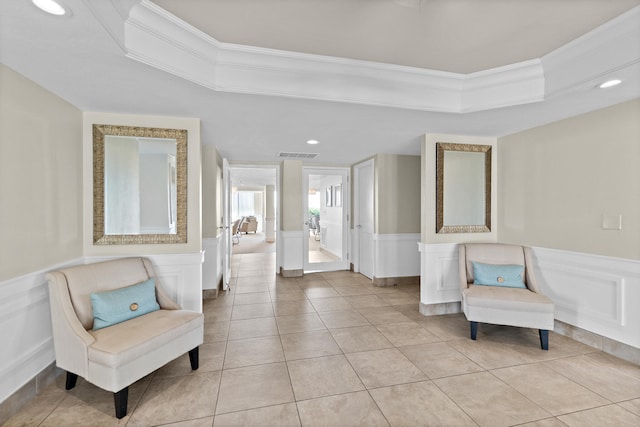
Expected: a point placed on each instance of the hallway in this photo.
(331, 349)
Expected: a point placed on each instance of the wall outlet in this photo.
(611, 222)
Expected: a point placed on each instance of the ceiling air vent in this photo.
(285, 155)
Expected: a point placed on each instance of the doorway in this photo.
(253, 209)
(326, 218)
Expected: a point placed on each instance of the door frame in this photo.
(278, 195)
(344, 263)
(226, 225)
(356, 212)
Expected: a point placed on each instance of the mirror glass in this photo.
(139, 185)
(463, 193)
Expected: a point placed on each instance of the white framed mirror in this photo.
(139, 185)
(463, 188)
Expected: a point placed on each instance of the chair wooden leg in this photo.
(194, 358)
(120, 399)
(474, 330)
(544, 339)
(71, 380)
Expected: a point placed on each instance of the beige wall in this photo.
(211, 191)
(40, 177)
(397, 194)
(428, 179)
(194, 177)
(556, 182)
(291, 200)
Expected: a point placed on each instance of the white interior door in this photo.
(325, 214)
(363, 217)
(226, 224)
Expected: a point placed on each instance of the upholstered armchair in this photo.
(499, 287)
(114, 356)
(249, 224)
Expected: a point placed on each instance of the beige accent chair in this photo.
(115, 357)
(527, 308)
(249, 225)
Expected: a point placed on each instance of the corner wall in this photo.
(40, 225)
(396, 220)
(397, 193)
(40, 177)
(291, 233)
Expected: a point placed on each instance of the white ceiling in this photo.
(82, 60)
(460, 36)
(243, 176)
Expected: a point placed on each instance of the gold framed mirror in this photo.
(463, 188)
(139, 185)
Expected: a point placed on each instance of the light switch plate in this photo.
(611, 222)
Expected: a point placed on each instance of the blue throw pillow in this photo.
(112, 307)
(509, 276)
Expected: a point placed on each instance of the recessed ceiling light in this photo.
(610, 83)
(312, 142)
(50, 6)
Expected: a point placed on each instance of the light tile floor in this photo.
(330, 349)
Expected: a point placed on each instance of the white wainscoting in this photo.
(25, 317)
(212, 265)
(331, 237)
(396, 255)
(439, 281)
(292, 243)
(25, 329)
(596, 293)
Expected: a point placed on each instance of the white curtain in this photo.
(249, 203)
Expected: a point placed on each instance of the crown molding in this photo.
(514, 84)
(610, 48)
(159, 39)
